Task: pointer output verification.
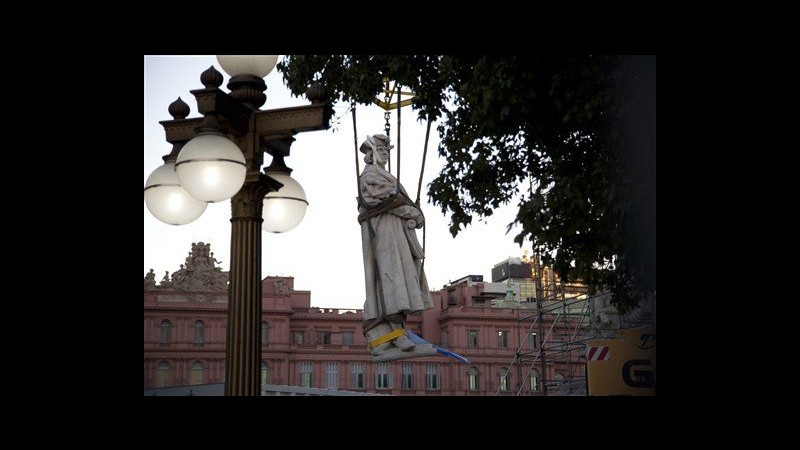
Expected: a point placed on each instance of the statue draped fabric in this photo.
(402, 287)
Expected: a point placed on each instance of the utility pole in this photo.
(541, 321)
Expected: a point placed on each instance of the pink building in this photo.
(184, 340)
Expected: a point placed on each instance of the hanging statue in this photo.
(395, 281)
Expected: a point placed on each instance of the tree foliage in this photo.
(572, 136)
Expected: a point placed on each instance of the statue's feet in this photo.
(402, 342)
(387, 336)
(374, 335)
(395, 353)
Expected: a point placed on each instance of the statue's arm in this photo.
(409, 212)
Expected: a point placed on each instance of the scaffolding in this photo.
(555, 336)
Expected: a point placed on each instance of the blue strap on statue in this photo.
(419, 341)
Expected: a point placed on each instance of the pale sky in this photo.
(323, 253)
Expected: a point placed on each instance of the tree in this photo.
(576, 132)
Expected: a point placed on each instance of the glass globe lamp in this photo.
(284, 209)
(255, 65)
(211, 168)
(167, 200)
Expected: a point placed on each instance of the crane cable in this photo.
(387, 98)
(419, 184)
(399, 94)
(355, 141)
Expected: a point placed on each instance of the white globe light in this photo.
(284, 209)
(167, 200)
(211, 168)
(256, 65)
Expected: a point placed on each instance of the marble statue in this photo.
(395, 282)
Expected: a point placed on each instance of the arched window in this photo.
(383, 379)
(408, 375)
(534, 381)
(332, 375)
(264, 373)
(305, 373)
(199, 333)
(163, 374)
(264, 333)
(472, 338)
(504, 384)
(197, 373)
(502, 338)
(357, 370)
(472, 376)
(533, 340)
(432, 376)
(165, 335)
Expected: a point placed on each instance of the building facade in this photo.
(313, 347)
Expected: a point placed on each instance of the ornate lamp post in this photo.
(219, 156)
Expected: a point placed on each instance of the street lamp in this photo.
(219, 156)
(285, 208)
(167, 200)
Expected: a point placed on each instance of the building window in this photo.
(558, 348)
(264, 333)
(408, 376)
(444, 338)
(502, 338)
(527, 291)
(357, 370)
(451, 298)
(264, 374)
(347, 338)
(382, 378)
(559, 379)
(472, 378)
(199, 333)
(163, 374)
(305, 373)
(298, 337)
(504, 384)
(332, 375)
(197, 373)
(472, 339)
(432, 376)
(533, 340)
(165, 335)
(534, 381)
(323, 338)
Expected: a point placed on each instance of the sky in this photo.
(323, 253)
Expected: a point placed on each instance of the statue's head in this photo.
(378, 142)
(375, 141)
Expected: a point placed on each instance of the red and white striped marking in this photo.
(600, 353)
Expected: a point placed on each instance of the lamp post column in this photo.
(244, 297)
